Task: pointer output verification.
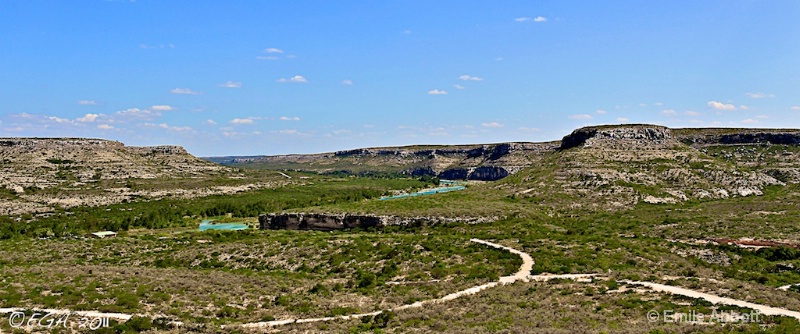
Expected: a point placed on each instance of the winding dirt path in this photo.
(764, 309)
(521, 275)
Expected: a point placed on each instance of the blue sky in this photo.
(279, 77)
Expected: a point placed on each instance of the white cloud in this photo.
(750, 121)
(540, 19)
(669, 112)
(581, 116)
(138, 113)
(88, 118)
(87, 102)
(184, 91)
(59, 119)
(795, 107)
(285, 118)
(600, 112)
(242, 121)
(231, 84)
(744, 107)
(459, 86)
(347, 82)
(273, 50)
(210, 122)
(759, 95)
(492, 125)
(437, 92)
(470, 78)
(162, 107)
(105, 127)
(622, 119)
(296, 78)
(168, 127)
(721, 106)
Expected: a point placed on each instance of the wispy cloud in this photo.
(750, 121)
(437, 92)
(183, 91)
(210, 122)
(600, 112)
(242, 121)
(273, 50)
(457, 86)
(286, 118)
(88, 118)
(580, 116)
(466, 77)
(347, 82)
(87, 102)
(231, 84)
(538, 19)
(759, 95)
(162, 107)
(721, 106)
(138, 113)
(669, 112)
(59, 119)
(296, 78)
(795, 107)
(105, 127)
(168, 127)
(492, 125)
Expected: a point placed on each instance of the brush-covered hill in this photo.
(39, 174)
(619, 166)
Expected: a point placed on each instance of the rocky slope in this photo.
(619, 166)
(471, 162)
(38, 174)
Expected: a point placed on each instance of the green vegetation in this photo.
(162, 269)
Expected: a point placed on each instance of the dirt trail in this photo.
(520, 275)
(764, 309)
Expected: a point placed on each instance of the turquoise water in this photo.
(426, 192)
(207, 224)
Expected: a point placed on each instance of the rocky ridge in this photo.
(619, 166)
(467, 162)
(38, 174)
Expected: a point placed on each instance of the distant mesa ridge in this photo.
(491, 162)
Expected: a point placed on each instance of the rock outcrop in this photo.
(330, 222)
